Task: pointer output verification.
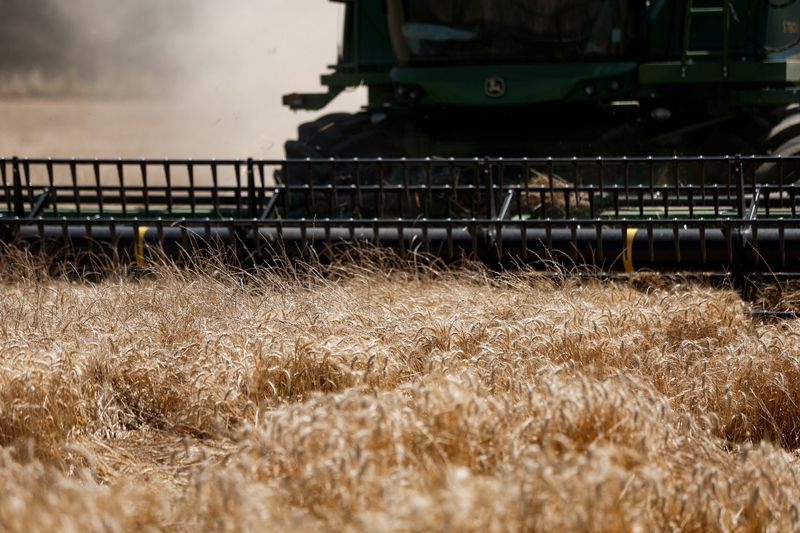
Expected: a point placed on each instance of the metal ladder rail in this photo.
(687, 53)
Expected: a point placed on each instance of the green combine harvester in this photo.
(598, 135)
(467, 78)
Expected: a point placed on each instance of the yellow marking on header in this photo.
(138, 246)
(627, 254)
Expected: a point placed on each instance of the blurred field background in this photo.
(380, 396)
(148, 78)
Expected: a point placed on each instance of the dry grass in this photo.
(390, 399)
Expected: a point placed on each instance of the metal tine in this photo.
(542, 202)
(26, 174)
(73, 172)
(500, 194)
(237, 172)
(551, 186)
(356, 197)
(782, 240)
(6, 188)
(526, 184)
(476, 192)
(626, 180)
(98, 185)
(310, 197)
(702, 175)
(600, 174)
(576, 180)
(19, 195)
(741, 201)
(381, 189)
(190, 174)
(215, 188)
(51, 180)
(331, 193)
(284, 191)
(168, 181)
(490, 192)
(428, 186)
(675, 178)
(252, 200)
(729, 178)
(122, 190)
(405, 199)
(262, 186)
(145, 186)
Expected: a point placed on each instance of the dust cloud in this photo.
(176, 78)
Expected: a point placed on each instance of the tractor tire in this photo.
(345, 136)
(782, 139)
(338, 136)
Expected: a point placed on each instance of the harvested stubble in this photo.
(391, 399)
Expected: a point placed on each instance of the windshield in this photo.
(461, 31)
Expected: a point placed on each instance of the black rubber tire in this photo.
(783, 139)
(345, 135)
(782, 132)
(307, 130)
(340, 136)
(786, 173)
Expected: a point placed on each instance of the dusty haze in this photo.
(179, 79)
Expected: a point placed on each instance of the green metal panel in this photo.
(670, 72)
(366, 43)
(524, 84)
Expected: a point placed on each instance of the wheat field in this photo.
(383, 396)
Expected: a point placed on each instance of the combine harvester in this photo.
(624, 111)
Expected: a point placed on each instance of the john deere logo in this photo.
(495, 86)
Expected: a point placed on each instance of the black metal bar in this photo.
(52, 186)
(237, 170)
(73, 172)
(98, 186)
(143, 170)
(26, 170)
(190, 174)
(252, 204)
(122, 189)
(19, 201)
(168, 180)
(6, 188)
(215, 184)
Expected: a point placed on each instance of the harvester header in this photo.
(610, 214)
